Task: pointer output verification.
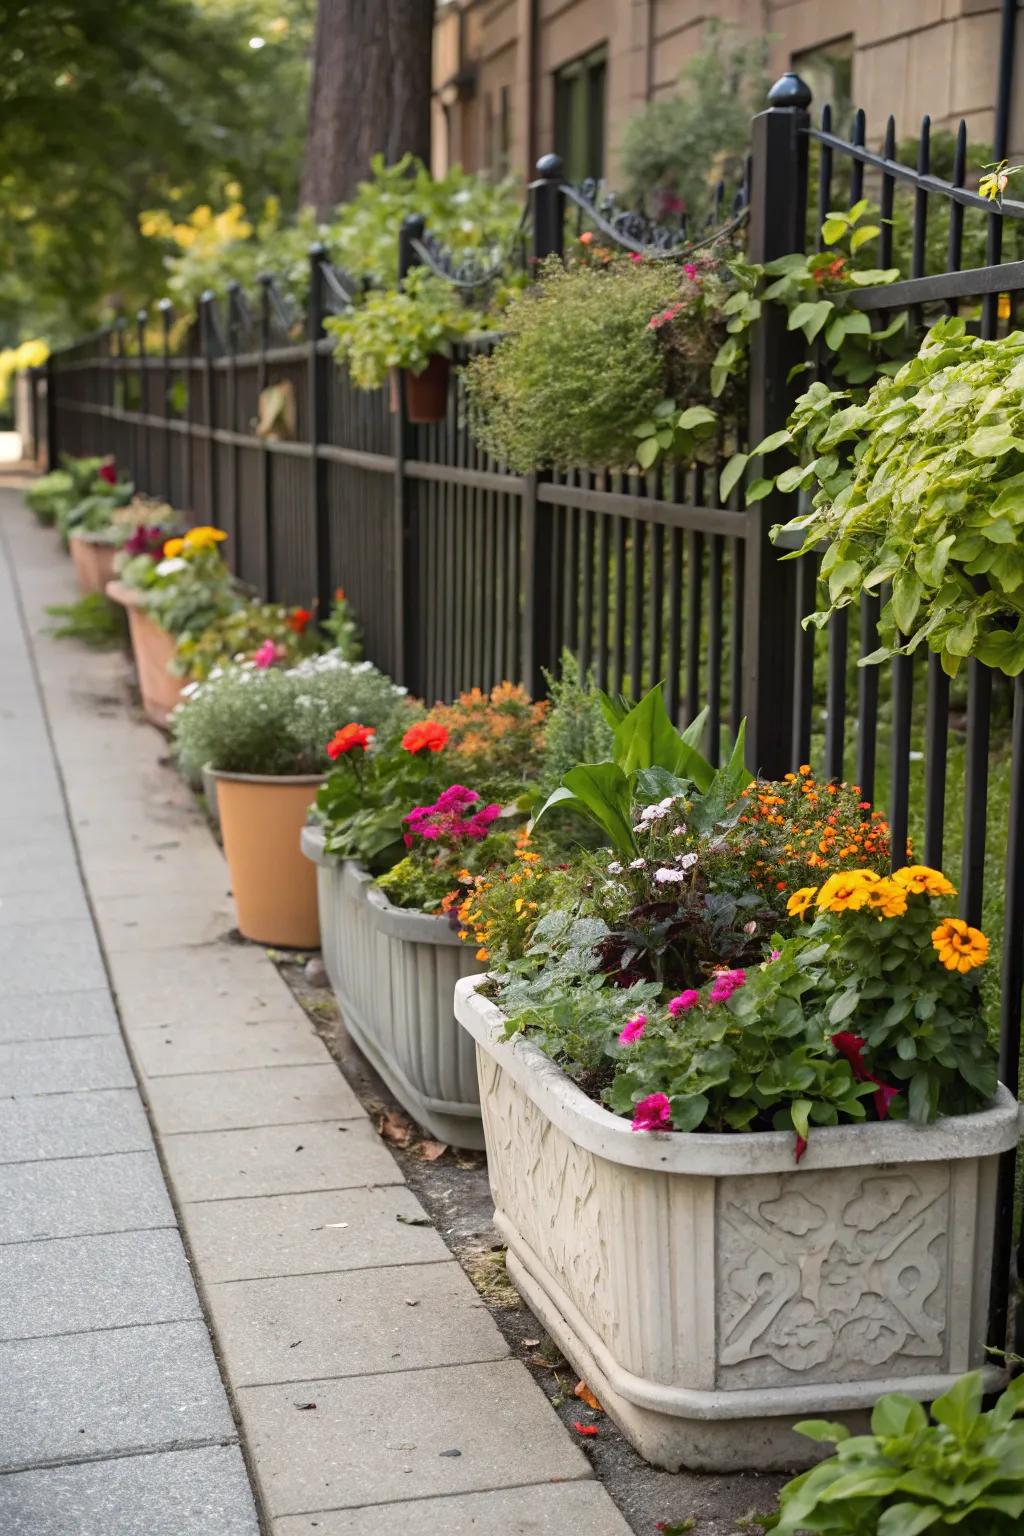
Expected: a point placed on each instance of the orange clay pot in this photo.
(93, 562)
(153, 648)
(274, 885)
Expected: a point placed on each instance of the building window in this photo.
(828, 70)
(579, 115)
(498, 133)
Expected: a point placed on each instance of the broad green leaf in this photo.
(757, 490)
(959, 1408)
(906, 598)
(910, 1519)
(771, 442)
(730, 474)
(799, 1112)
(862, 235)
(834, 228)
(824, 1431)
(647, 738)
(646, 429)
(603, 789)
(991, 442)
(688, 1112)
(647, 452)
(697, 416)
(694, 732)
(897, 1414)
(810, 318)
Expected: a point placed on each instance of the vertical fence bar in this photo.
(166, 315)
(266, 486)
(318, 433)
(207, 340)
(141, 466)
(50, 374)
(234, 322)
(777, 218)
(540, 577)
(405, 553)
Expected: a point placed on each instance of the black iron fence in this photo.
(463, 573)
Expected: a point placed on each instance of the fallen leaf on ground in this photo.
(583, 1392)
(305, 1407)
(411, 1302)
(395, 1128)
(414, 1221)
(531, 1343)
(449, 1453)
(430, 1151)
(584, 1429)
(674, 1527)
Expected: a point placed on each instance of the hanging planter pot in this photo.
(93, 560)
(710, 1291)
(153, 649)
(261, 820)
(426, 393)
(393, 972)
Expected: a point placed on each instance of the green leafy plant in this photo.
(190, 587)
(53, 496)
(913, 503)
(278, 721)
(270, 633)
(650, 759)
(93, 619)
(956, 1469)
(402, 327)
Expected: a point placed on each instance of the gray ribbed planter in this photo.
(394, 972)
(710, 1291)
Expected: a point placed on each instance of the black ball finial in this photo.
(550, 168)
(790, 91)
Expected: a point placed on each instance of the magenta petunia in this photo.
(653, 1113)
(685, 1001)
(633, 1029)
(725, 984)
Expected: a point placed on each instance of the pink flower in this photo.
(775, 954)
(689, 269)
(108, 472)
(634, 1029)
(266, 655)
(635, 257)
(685, 1001)
(653, 1113)
(725, 984)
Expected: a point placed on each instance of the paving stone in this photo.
(376, 1439)
(224, 1101)
(278, 1160)
(202, 1492)
(309, 1234)
(124, 1389)
(204, 983)
(142, 923)
(356, 1324)
(546, 1509)
(36, 866)
(72, 1125)
(57, 1016)
(171, 1049)
(156, 871)
(50, 957)
(65, 904)
(65, 1197)
(64, 1066)
(77, 1284)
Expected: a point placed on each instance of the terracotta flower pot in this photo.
(274, 886)
(93, 562)
(153, 649)
(426, 393)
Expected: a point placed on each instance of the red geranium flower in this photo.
(425, 736)
(298, 620)
(108, 472)
(348, 739)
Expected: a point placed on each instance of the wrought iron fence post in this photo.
(50, 373)
(266, 488)
(206, 338)
(406, 551)
(778, 205)
(540, 572)
(547, 217)
(318, 433)
(141, 476)
(166, 316)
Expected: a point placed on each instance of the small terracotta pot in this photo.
(93, 562)
(153, 648)
(426, 393)
(274, 885)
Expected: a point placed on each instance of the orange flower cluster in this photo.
(501, 909)
(500, 731)
(796, 827)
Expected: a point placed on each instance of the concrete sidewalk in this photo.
(366, 1373)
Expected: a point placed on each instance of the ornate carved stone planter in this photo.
(393, 972)
(711, 1292)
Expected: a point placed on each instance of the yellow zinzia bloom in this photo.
(959, 947)
(800, 900)
(204, 537)
(919, 880)
(173, 547)
(846, 891)
(886, 898)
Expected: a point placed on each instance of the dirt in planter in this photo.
(452, 1187)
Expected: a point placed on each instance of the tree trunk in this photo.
(370, 93)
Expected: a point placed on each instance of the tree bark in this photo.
(370, 93)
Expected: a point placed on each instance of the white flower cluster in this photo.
(654, 813)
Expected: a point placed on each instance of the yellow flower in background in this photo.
(202, 537)
(959, 946)
(886, 898)
(173, 547)
(846, 891)
(801, 900)
(919, 880)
